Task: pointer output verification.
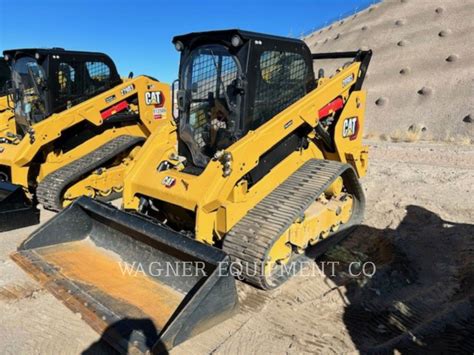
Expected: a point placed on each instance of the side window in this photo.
(66, 77)
(281, 83)
(98, 71)
(97, 77)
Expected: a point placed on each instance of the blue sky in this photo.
(137, 34)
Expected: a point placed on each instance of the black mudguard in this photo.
(16, 209)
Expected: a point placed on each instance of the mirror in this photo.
(174, 106)
(182, 99)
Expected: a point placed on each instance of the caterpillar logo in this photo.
(154, 98)
(350, 128)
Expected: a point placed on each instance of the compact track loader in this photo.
(70, 127)
(266, 169)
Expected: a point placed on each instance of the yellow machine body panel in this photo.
(7, 118)
(220, 201)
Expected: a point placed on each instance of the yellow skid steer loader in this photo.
(266, 169)
(70, 128)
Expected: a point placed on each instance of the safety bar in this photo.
(359, 56)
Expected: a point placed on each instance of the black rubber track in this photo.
(50, 191)
(249, 241)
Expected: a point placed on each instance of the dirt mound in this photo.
(421, 79)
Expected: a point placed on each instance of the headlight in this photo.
(179, 46)
(236, 41)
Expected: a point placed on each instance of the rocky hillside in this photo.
(421, 79)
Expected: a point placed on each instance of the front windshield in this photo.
(211, 83)
(29, 82)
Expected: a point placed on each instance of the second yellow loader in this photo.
(70, 128)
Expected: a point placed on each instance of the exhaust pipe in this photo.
(139, 284)
(16, 210)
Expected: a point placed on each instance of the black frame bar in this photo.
(359, 56)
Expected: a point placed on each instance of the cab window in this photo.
(280, 83)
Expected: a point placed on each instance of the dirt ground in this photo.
(418, 232)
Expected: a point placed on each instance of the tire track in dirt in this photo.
(15, 292)
(38, 325)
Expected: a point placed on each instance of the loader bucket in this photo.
(142, 286)
(16, 210)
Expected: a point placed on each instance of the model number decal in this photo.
(127, 89)
(154, 98)
(350, 128)
(347, 80)
(159, 113)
